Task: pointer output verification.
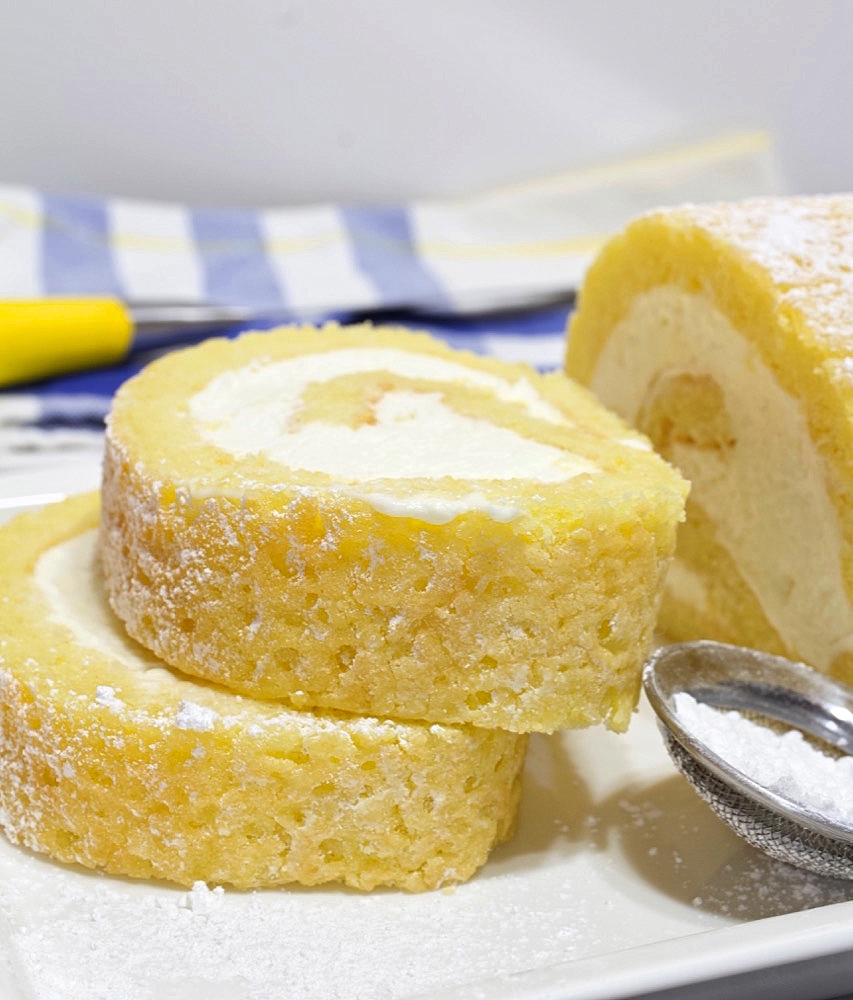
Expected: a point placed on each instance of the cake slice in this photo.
(723, 332)
(364, 519)
(111, 760)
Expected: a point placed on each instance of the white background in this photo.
(274, 102)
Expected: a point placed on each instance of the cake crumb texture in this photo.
(487, 545)
(112, 761)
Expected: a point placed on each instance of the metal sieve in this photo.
(746, 680)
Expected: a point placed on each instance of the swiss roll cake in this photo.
(722, 332)
(363, 519)
(111, 760)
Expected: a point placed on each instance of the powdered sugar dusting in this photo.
(785, 763)
(193, 716)
(202, 900)
(106, 696)
(624, 857)
(805, 245)
(153, 692)
(553, 899)
(210, 944)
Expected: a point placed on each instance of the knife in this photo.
(44, 337)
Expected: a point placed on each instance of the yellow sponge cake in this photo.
(111, 760)
(723, 332)
(361, 518)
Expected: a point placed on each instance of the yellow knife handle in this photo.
(43, 337)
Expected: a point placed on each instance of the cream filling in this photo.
(767, 496)
(67, 577)
(413, 435)
(687, 585)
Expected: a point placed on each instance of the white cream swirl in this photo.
(412, 434)
(767, 495)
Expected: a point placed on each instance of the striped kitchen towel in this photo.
(509, 248)
(493, 272)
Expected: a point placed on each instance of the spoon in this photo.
(747, 680)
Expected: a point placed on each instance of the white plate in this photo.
(619, 881)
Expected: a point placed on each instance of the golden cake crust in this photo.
(529, 607)
(111, 760)
(776, 272)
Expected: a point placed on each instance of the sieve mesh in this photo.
(764, 829)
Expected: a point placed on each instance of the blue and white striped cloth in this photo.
(493, 273)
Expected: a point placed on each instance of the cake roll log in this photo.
(111, 760)
(364, 519)
(723, 332)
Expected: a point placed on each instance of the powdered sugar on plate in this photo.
(613, 852)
